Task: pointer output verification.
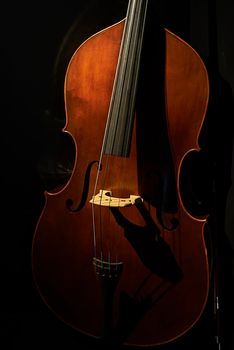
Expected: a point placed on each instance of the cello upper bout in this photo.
(187, 95)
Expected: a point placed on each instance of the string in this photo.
(117, 126)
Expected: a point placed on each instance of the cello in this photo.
(116, 254)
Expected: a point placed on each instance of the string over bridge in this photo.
(104, 198)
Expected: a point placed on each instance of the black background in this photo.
(37, 40)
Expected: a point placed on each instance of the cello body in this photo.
(150, 283)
